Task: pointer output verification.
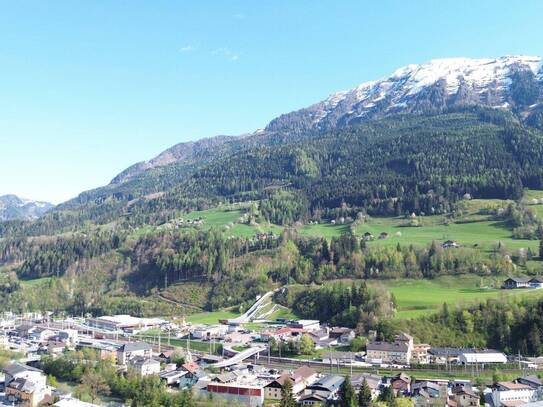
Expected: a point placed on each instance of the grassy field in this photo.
(421, 297)
(227, 218)
(471, 229)
(210, 317)
(36, 282)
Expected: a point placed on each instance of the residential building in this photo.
(69, 336)
(26, 393)
(401, 383)
(312, 400)
(326, 387)
(448, 244)
(388, 352)
(374, 382)
(511, 393)
(193, 375)
(531, 380)
(41, 334)
(465, 397)
(20, 371)
(144, 366)
(536, 282)
(299, 378)
(25, 385)
(516, 282)
(399, 351)
(419, 355)
(172, 377)
(130, 350)
(427, 389)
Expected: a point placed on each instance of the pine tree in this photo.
(387, 395)
(287, 399)
(364, 395)
(541, 249)
(346, 394)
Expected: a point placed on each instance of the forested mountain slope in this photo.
(511, 84)
(399, 164)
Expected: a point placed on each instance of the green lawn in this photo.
(420, 297)
(216, 216)
(210, 317)
(482, 233)
(472, 229)
(36, 282)
(326, 230)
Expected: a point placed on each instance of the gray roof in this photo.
(23, 385)
(140, 360)
(172, 373)
(450, 352)
(135, 346)
(373, 380)
(519, 279)
(16, 368)
(387, 346)
(532, 379)
(330, 383)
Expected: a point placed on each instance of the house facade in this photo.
(133, 349)
(508, 393)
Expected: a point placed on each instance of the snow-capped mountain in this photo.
(15, 208)
(513, 82)
(510, 82)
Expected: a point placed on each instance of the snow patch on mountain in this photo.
(14, 208)
(436, 84)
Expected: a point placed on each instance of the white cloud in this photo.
(240, 16)
(226, 53)
(187, 48)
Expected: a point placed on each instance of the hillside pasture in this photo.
(415, 298)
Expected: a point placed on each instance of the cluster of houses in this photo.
(523, 282)
(247, 383)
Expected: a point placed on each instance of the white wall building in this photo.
(509, 393)
(483, 357)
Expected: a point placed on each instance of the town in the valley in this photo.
(256, 362)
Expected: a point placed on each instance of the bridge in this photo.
(239, 356)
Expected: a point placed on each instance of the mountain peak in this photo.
(13, 207)
(436, 84)
(507, 82)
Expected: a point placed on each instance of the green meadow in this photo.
(471, 227)
(415, 298)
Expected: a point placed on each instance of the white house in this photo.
(20, 371)
(25, 385)
(133, 349)
(144, 366)
(509, 393)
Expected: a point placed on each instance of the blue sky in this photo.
(88, 88)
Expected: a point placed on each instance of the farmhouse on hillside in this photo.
(516, 282)
(523, 282)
